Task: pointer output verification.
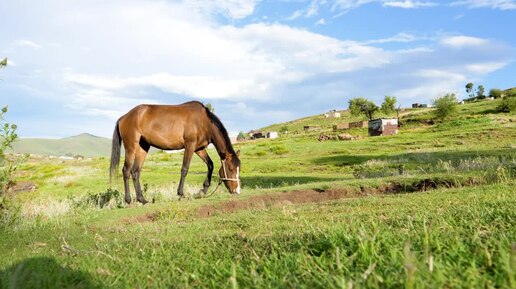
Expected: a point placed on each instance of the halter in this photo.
(225, 178)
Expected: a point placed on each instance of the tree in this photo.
(495, 93)
(7, 137)
(360, 105)
(480, 92)
(445, 105)
(469, 89)
(210, 107)
(241, 136)
(389, 104)
(508, 104)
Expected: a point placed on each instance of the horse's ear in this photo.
(228, 156)
(238, 153)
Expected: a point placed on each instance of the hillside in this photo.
(407, 116)
(431, 205)
(85, 144)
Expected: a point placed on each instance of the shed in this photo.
(332, 113)
(272, 134)
(257, 134)
(383, 126)
(358, 124)
(340, 126)
(309, 128)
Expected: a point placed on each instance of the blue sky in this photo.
(76, 66)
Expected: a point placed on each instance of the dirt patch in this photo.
(150, 217)
(277, 200)
(23, 187)
(321, 195)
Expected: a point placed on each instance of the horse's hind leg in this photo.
(126, 171)
(187, 157)
(141, 153)
(203, 154)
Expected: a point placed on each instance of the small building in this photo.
(332, 113)
(272, 134)
(341, 126)
(419, 105)
(256, 134)
(383, 126)
(309, 128)
(358, 124)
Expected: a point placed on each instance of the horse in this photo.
(189, 126)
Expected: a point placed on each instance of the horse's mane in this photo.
(216, 121)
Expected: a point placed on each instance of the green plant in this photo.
(495, 93)
(445, 106)
(101, 199)
(389, 104)
(8, 163)
(360, 105)
(508, 104)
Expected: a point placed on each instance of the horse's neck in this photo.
(219, 141)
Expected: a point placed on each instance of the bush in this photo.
(495, 93)
(445, 106)
(8, 163)
(100, 200)
(508, 104)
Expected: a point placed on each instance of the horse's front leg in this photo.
(187, 157)
(207, 160)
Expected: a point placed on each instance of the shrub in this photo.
(508, 104)
(445, 106)
(8, 163)
(100, 200)
(360, 105)
(495, 93)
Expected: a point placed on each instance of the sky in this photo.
(76, 66)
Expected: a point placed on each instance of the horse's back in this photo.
(165, 126)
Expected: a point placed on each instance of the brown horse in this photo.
(189, 126)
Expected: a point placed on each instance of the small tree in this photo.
(210, 107)
(389, 104)
(508, 104)
(241, 136)
(7, 137)
(495, 93)
(480, 92)
(360, 105)
(445, 105)
(469, 89)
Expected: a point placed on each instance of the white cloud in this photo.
(494, 4)
(26, 43)
(133, 51)
(485, 67)
(235, 9)
(321, 22)
(463, 41)
(409, 4)
(400, 37)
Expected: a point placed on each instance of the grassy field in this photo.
(432, 207)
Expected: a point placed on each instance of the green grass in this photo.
(432, 207)
(444, 238)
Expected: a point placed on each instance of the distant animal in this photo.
(189, 126)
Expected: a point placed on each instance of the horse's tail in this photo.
(115, 152)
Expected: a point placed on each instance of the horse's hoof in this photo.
(143, 201)
(128, 201)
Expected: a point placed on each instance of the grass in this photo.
(430, 207)
(446, 238)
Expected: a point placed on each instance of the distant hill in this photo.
(85, 144)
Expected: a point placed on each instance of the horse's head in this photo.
(230, 172)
